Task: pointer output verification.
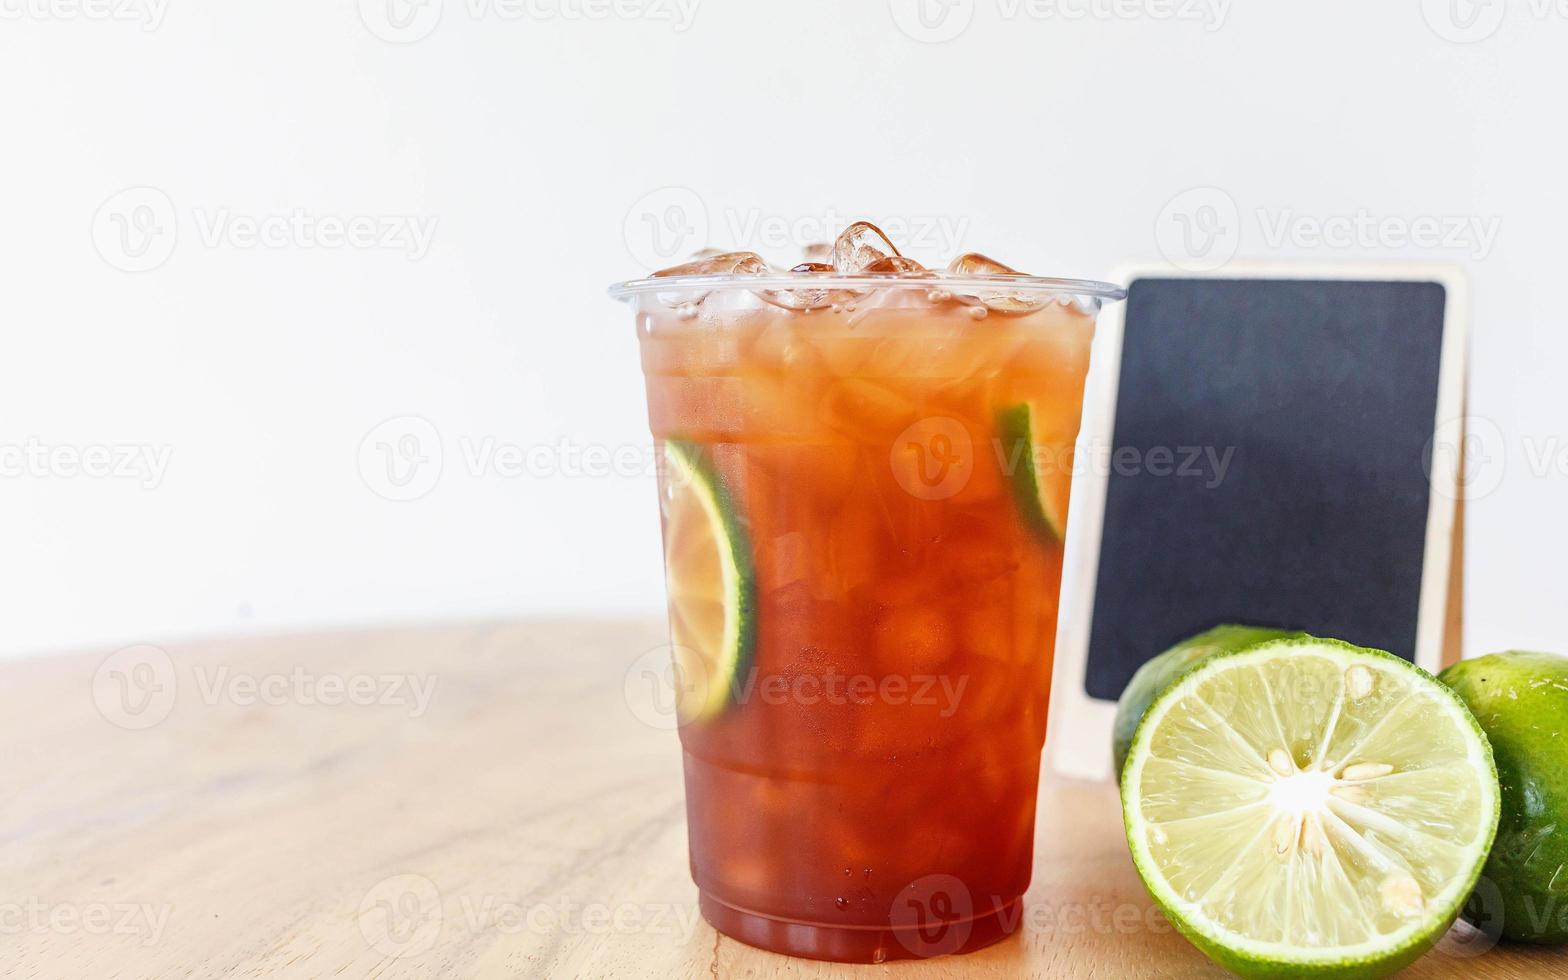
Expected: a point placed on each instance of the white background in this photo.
(1057, 136)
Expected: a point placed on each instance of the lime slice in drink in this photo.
(1038, 459)
(709, 577)
(1309, 808)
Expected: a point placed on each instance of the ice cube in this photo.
(975, 264)
(897, 264)
(807, 297)
(1014, 302)
(797, 299)
(861, 244)
(720, 264)
(913, 639)
(999, 300)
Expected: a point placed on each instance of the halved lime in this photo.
(1309, 808)
(709, 577)
(1157, 674)
(1038, 459)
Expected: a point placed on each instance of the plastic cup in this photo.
(892, 457)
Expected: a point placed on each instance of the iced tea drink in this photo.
(864, 498)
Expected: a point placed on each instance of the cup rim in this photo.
(934, 279)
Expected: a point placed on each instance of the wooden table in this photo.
(289, 807)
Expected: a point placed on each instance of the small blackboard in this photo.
(1264, 457)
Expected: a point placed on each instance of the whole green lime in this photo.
(1157, 674)
(1521, 701)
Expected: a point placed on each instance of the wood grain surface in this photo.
(471, 801)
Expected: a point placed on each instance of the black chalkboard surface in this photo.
(1311, 405)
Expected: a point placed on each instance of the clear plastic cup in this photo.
(864, 510)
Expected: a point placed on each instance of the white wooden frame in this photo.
(1079, 739)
